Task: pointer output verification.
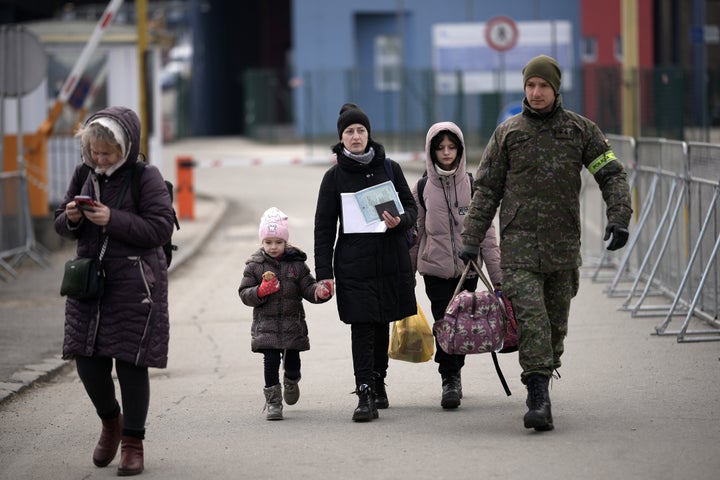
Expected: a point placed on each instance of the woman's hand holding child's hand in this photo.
(329, 285)
(322, 291)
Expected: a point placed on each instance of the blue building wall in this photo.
(333, 59)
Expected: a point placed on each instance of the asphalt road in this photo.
(629, 405)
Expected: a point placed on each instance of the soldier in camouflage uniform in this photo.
(533, 163)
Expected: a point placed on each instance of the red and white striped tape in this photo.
(399, 157)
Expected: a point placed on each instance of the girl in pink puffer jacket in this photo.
(446, 197)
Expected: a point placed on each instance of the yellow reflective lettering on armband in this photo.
(601, 161)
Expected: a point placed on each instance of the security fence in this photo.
(669, 267)
(279, 107)
(402, 109)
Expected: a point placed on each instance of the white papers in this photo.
(353, 220)
(358, 209)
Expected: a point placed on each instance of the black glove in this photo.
(619, 236)
(469, 252)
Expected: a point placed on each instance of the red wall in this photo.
(603, 20)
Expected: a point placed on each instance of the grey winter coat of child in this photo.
(279, 318)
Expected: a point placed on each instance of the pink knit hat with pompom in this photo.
(274, 224)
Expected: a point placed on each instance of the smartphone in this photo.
(85, 202)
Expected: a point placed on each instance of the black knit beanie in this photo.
(544, 67)
(349, 114)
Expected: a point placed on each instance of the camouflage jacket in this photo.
(532, 164)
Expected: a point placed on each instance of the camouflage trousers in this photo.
(541, 302)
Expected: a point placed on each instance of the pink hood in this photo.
(446, 200)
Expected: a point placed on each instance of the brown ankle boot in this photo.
(107, 446)
(131, 456)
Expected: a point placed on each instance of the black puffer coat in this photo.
(130, 322)
(279, 318)
(373, 274)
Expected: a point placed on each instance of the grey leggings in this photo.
(96, 376)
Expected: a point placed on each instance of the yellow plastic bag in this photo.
(411, 339)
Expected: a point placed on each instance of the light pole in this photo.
(142, 34)
(631, 70)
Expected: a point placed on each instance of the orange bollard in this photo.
(185, 190)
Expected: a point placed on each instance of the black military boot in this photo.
(539, 415)
(450, 391)
(381, 400)
(366, 410)
(458, 384)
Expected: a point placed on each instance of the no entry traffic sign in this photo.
(501, 33)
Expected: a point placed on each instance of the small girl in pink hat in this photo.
(275, 281)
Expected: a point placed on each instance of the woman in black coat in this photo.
(129, 324)
(372, 271)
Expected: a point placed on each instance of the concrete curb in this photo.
(29, 375)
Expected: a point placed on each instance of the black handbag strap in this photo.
(120, 198)
(500, 375)
(473, 264)
(102, 249)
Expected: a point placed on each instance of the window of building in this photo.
(388, 62)
(618, 49)
(588, 52)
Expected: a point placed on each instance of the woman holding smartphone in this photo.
(128, 327)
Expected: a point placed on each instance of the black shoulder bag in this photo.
(84, 278)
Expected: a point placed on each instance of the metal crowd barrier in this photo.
(17, 237)
(63, 157)
(668, 176)
(672, 251)
(702, 273)
(17, 234)
(624, 148)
